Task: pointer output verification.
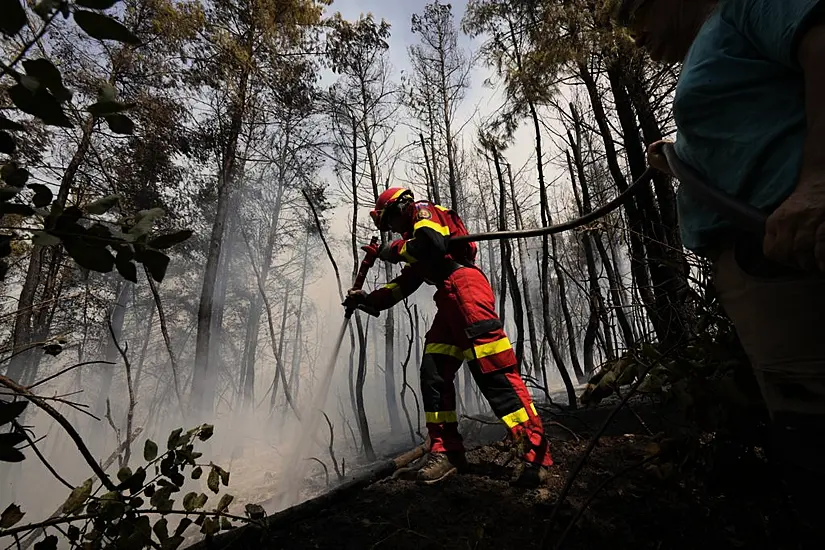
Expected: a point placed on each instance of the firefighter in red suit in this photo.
(465, 328)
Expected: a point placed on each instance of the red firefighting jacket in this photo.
(425, 252)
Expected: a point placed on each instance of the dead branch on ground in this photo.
(332, 449)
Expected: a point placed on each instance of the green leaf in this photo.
(16, 208)
(14, 17)
(254, 511)
(11, 439)
(134, 483)
(197, 473)
(170, 239)
(14, 175)
(161, 529)
(7, 192)
(39, 103)
(44, 8)
(48, 75)
(96, 4)
(102, 205)
(102, 27)
(112, 506)
(172, 543)
(5, 250)
(213, 481)
(73, 533)
(184, 523)
(78, 497)
(124, 473)
(11, 410)
(6, 124)
(150, 450)
(201, 501)
(42, 195)
(44, 239)
(10, 454)
(102, 108)
(161, 497)
(7, 144)
(120, 124)
(226, 525)
(127, 269)
(156, 262)
(144, 221)
(189, 501)
(206, 432)
(49, 543)
(224, 503)
(10, 516)
(224, 476)
(174, 439)
(93, 258)
(210, 526)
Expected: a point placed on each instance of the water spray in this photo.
(296, 466)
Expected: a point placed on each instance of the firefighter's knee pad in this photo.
(490, 349)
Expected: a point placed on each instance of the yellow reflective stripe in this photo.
(440, 417)
(404, 254)
(443, 209)
(397, 194)
(397, 293)
(435, 226)
(514, 419)
(485, 350)
(533, 408)
(444, 349)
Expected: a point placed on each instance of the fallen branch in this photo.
(78, 441)
(253, 535)
(332, 449)
(323, 465)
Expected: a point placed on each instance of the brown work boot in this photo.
(530, 476)
(440, 466)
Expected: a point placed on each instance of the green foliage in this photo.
(708, 388)
(10, 411)
(121, 519)
(95, 243)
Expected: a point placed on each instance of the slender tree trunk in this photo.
(25, 332)
(116, 316)
(525, 280)
(280, 350)
(297, 348)
(669, 288)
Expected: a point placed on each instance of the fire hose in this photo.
(742, 215)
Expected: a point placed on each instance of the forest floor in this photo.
(479, 510)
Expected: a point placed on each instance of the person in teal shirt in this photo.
(750, 114)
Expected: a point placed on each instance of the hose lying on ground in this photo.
(741, 214)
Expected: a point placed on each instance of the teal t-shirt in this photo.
(739, 109)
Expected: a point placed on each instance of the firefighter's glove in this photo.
(391, 252)
(372, 249)
(355, 298)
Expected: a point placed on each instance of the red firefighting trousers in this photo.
(467, 327)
